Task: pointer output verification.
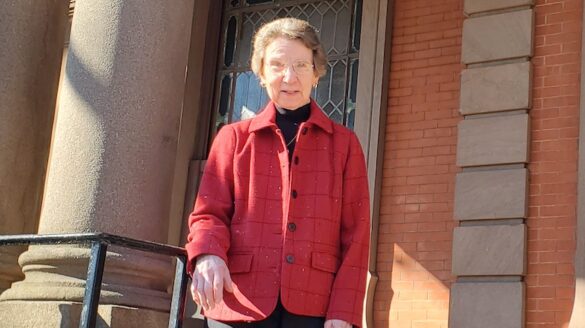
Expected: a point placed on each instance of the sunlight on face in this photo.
(288, 73)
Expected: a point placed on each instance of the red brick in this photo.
(419, 164)
(540, 317)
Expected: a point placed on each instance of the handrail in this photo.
(95, 269)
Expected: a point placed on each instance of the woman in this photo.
(280, 230)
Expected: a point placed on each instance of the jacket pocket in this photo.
(240, 263)
(325, 262)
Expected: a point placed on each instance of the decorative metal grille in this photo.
(239, 94)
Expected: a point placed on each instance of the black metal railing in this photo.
(99, 244)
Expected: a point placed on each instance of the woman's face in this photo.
(288, 73)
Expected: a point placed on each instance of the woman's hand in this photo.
(210, 277)
(335, 323)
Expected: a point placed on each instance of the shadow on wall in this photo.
(411, 291)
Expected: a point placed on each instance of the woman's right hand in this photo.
(210, 277)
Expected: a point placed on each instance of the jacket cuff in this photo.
(195, 249)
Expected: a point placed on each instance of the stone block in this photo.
(496, 88)
(67, 314)
(489, 250)
(487, 305)
(494, 194)
(493, 140)
(497, 37)
(478, 6)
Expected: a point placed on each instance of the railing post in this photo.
(179, 292)
(95, 272)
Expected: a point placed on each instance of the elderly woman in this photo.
(280, 229)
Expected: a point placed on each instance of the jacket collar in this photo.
(267, 118)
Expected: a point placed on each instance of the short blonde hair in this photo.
(292, 29)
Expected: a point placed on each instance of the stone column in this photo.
(113, 156)
(31, 37)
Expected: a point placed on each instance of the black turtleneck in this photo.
(288, 122)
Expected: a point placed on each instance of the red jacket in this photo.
(302, 233)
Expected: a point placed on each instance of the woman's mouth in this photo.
(289, 92)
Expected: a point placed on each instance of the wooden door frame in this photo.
(370, 121)
(196, 113)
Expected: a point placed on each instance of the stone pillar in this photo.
(32, 35)
(113, 155)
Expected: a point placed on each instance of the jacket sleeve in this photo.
(209, 222)
(347, 296)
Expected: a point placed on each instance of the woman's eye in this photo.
(277, 65)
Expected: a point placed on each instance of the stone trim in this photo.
(482, 6)
(487, 305)
(497, 250)
(498, 37)
(489, 255)
(496, 88)
(493, 140)
(492, 194)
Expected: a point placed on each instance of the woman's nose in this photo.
(288, 75)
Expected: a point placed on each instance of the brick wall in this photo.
(416, 215)
(553, 169)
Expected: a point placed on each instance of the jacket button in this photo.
(304, 130)
(296, 160)
(290, 259)
(294, 194)
(292, 227)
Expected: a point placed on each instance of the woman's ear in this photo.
(261, 78)
(262, 82)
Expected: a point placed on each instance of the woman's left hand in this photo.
(335, 323)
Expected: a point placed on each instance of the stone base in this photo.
(17, 314)
(58, 273)
(9, 269)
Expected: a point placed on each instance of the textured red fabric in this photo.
(302, 233)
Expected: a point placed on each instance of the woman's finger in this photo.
(194, 291)
(208, 293)
(227, 281)
(200, 292)
(218, 289)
